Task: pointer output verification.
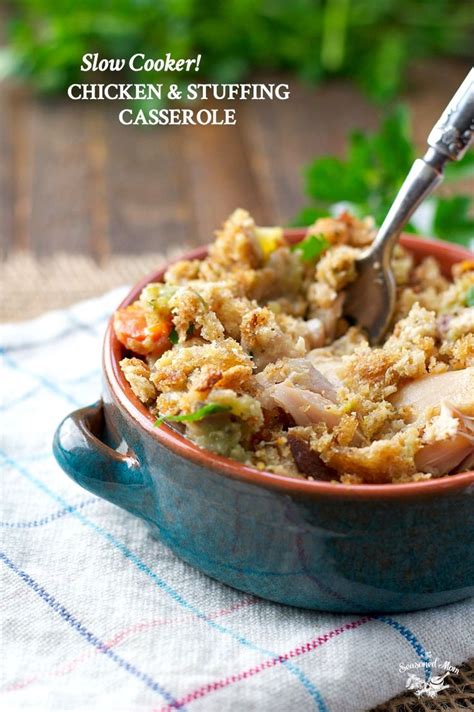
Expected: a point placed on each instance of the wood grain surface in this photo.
(73, 179)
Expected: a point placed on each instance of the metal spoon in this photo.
(370, 299)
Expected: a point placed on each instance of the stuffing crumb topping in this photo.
(247, 352)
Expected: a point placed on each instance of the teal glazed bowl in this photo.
(330, 547)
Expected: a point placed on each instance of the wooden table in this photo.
(73, 179)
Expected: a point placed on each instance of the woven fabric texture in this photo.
(457, 697)
(31, 286)
(99, 616)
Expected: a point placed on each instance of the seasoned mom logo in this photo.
(433, 679)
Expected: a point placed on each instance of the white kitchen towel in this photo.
(99, 616)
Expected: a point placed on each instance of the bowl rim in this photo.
(137, 411)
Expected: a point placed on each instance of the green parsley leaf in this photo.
(199, 414)
(456, 170)
(367, 180)
(452, 219)
(470, 297)
(311, 247)
(173, 337)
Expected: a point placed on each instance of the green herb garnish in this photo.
(173, 337)
(470, 297)
(367, 180)
(311, 247)
(199, 414)
(452, 219)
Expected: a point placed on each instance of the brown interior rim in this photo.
(121, 390)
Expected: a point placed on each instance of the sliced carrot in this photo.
(461, 268)
(130, 322)
(162, 328)
(132, 331)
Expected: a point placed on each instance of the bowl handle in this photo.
(82, 453)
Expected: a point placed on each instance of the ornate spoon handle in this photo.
(370, 299)
(453, 133)
(449, 140)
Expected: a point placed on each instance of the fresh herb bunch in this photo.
(371, 42)
(368, 179)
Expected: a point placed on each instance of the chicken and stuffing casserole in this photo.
(247, 353)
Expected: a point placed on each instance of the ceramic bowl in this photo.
(331, 547)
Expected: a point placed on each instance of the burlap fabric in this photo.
(29, 287)
(459, 696)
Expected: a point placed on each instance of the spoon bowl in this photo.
(370, 300)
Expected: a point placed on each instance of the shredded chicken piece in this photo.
(305, 407)
(263, 338)
(457, 387)
(297, 373)
(467, 465)
(312, 330)
(256, 331)
(328, 366)
(448, 439)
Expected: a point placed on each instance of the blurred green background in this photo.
(368, 79)
(370, 41)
